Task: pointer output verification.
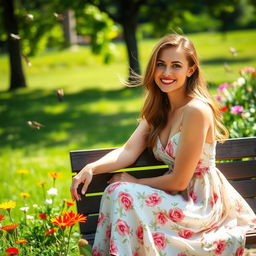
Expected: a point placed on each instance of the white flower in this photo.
(35, 206)
(254, 127)
(24, 209)
(29, 217)
(246, 114)
(241, 81)
(52, 192)
(252, 110)
(48, 201)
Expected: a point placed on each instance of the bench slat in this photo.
(236, 148)
(90, 225)
(238, 170)
(246, 187)
(252, 203)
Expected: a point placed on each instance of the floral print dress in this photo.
(211, 219)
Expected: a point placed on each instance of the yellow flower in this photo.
(41, 183)
(7, 205)
(54, 175)
(23, 171)
(24, 194)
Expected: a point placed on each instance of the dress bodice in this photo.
(167, 154)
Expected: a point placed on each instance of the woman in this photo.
(192, 209)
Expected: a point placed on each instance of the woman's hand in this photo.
(84, 176)
(123, 177)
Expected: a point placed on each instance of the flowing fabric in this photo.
(209, 218)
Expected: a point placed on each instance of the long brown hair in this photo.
(156, 104)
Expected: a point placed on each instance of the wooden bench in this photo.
(240, 173)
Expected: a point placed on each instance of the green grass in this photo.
(97, 110)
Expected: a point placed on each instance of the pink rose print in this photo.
(101, 218)
(185, 233)
(112, 247)
(213, 226)
(114, 186)
(108, 232)
(214, 199)
(220, 246)
(193, 196)
(161, 218)
(200, 171)
(153, 199)
(95, 252)
(135, 254)
(169, 149)
(126, 200)
(239, 251)
(140, 234)
(254, 221)
(182, 254)
(176, 215)
(122, 227)
(159, 240)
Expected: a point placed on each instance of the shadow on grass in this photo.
(221, 61)
(82, 120)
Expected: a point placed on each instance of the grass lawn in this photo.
(97, 110)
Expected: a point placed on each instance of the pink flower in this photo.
(108, 232)
(114, 186)
(213, 199)
(176, 215)
(126, 200)
(135, 254)
(220, 246)
(161, 218)
(170, 150)
(218, 97)
(100, 219)
(159, 240)
(239, 251)
(153, 199)
(140, 234)
(95, 252)
(247, 70)
(185, 233)
(223, 87)
(113, 248)
(193, 195)
(200, 172)
(182, 254)
(236, 109)
(122, 227)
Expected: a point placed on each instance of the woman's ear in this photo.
(191, 70)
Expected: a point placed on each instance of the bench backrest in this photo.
(241, 173)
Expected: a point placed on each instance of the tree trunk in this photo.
(17, 79)
(129, 24)
(69, 27)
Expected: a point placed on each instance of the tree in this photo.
(13, 44)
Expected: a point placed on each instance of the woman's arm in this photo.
(114, 160)
(197, 120)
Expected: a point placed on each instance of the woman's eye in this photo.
(159, 64)
(176, 66)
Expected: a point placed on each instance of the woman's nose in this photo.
(167, 71)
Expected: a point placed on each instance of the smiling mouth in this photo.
(167, 81)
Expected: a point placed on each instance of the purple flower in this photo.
(237, 109)
(223, 87)
(218, 97)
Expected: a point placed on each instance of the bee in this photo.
(60, 94)
(34, 124)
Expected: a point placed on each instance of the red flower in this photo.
(114, 186)
(9, 227)
(51, 231)
(140, 234)
(101, 218)
(126, 200)
(42, 216)
(108, 232)
(113, 248)
(122, 227)
(170, 150)
(214, 199)
(69, 203)
(161, 218)
(182, 254)
(12, 251)
(223, 109)
(153, 200)
(200, 171)
(176, 215)
(68, 219)
(159, 240)
(185, 233)
(239, 251)
(136, 254)
(193, 196)
(95, 252)
(1, 217)
(21, 241)
(220, 246)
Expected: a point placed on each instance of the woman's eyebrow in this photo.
(173, 62)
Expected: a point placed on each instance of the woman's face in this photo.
(172, 69)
